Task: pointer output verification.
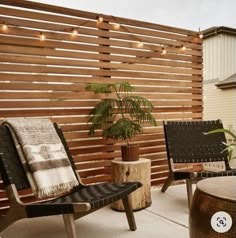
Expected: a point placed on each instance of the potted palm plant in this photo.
(120, 116)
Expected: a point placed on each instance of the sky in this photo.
(187, 14)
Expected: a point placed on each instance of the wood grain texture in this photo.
(47, 78)
(123, 171)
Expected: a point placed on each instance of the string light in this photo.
(163, 51)
(183, 47)
(4, 26)
(116, 26)
(140, 44)
(74, 32)
(42, 36)
(200, 35)
(99, 19)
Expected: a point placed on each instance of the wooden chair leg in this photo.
(129, 213)
(16, 211)
(189, 191)
(69, 225)
(167, 183)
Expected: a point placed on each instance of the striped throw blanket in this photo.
(43, 156)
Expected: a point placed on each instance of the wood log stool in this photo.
(123, 171)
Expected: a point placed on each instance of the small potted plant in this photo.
(120, 116)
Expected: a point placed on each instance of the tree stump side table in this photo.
(125, 171)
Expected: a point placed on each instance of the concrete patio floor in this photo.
(167, 217)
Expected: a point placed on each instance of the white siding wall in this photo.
(219, 60)
(220, 104)
(211, 58)
(219, 57)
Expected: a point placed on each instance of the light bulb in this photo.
(99, 19)
(164, 51)
(42, 36)
(4, 27)
(183, 47)
(116, 26)
(140, 44)
(74, 32)
(200, 35)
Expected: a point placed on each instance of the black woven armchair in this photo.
(80, 202)
(186, 143)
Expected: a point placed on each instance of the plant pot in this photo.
(130, 152)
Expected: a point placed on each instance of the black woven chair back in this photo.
(186, 142)
(11, 168)
(12, 171)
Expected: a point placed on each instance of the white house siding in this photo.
(220, 104)
(211, 58)
(219, 57)
(219, 60)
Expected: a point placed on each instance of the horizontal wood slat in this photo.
(48, 78)
(70, 54)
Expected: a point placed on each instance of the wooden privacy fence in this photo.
(46, 77)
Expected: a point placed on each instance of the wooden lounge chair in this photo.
(79, 202)
(187, 144)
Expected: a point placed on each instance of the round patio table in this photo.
(213, 209)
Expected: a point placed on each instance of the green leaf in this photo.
(107, 88)
(221, 130)
(230, 147)
(123, 129)
(97, 88)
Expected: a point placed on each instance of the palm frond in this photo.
(229, 147)
(139, 109)
(97, 88)
(221, 130)
(122, 129)
(108, 88)
(102, 114)
(124, 87)
(138, 103)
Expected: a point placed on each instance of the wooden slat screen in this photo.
(47, 78)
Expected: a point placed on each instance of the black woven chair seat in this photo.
(208, 174)
(97, 196)
(203, 174)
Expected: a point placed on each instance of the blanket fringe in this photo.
(55, 190)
